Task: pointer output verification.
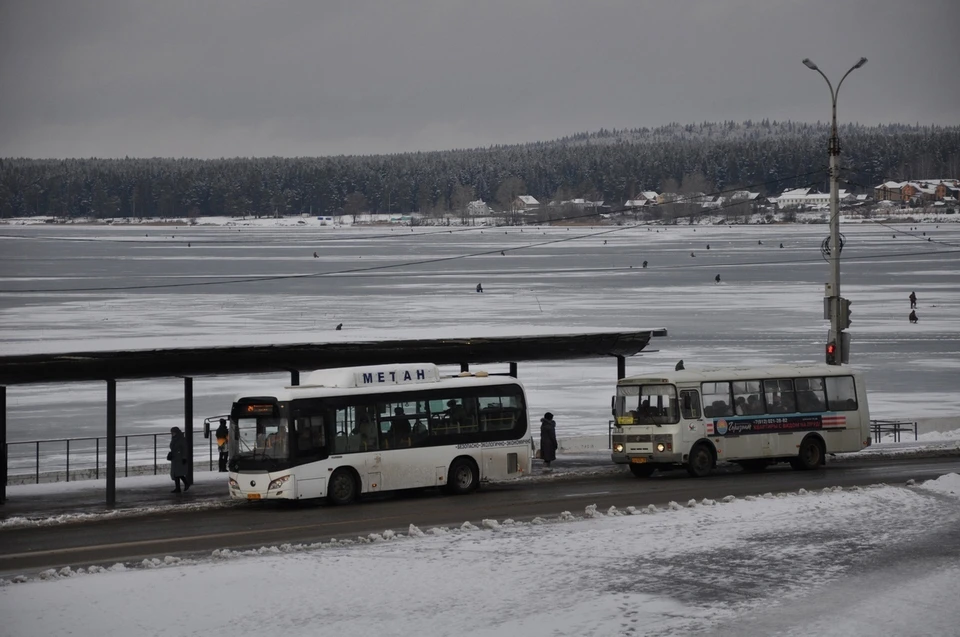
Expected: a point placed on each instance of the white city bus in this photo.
(358, 430)
(752, 416)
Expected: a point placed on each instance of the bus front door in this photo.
(692, 425)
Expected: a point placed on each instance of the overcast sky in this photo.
(214, 78)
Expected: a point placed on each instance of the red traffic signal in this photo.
(831, 353)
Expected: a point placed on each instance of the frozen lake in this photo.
(74, 288)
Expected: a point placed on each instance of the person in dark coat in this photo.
(548, 439)
(913, 316)
(222, 436)
(178, 459)
(913, 300)
(479, 287)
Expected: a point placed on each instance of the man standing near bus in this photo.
(222, 435)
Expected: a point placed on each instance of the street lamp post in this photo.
(838, 307)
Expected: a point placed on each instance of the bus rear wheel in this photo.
(700, 461)
(642, 470)
(342, 488)
(810, 456)
(463, 477)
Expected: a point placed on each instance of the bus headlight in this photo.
(660, 447)
(233, 484)
(279, 482)
(618, 447)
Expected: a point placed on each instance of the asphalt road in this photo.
(199, 531)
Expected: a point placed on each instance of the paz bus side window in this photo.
(810, 395)
(841, 393)
(780, 396)
(716, 399)
(746, 398)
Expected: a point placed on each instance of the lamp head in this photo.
(860, 63)
(810, 65)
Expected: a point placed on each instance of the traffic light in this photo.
(844, 313)
(832, 353)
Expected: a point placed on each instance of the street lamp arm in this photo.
(852, 68)
(833, 94)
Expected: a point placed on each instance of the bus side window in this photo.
(716, 399)
(780, 396)
(841, 393)
(810, 395)
(690, 404)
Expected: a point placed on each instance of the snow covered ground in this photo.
(836, 562)
(882, 560)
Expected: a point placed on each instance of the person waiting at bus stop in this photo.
(222, 436)
(178, 459)
(548, 439)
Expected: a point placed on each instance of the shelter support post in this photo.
(188, 423)
(3, 443)
(621, 367)
(464, 367)
(513, 369)
(294, 377)
(111, 442)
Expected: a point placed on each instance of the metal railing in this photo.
(86, 458)
(895, 427)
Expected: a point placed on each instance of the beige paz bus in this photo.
(752, 416)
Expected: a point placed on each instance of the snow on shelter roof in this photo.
(248, 359)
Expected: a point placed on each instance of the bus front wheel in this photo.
(700, 461)
(342, 488)
(810, 456)
(463, 477)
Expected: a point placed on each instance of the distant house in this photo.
(920, 190)
(525, 203)
(808, 198)
(479, 208)
(582, 203)
(645, 198)
(732, 199)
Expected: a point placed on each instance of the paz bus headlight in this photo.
(279, 482)
(618, 447)
(234, 484)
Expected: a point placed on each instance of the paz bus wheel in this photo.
(642, 470)
(810, 456)
(342, 488)
(700, 461)
(463, 477)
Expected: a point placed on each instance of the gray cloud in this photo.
(213, 78)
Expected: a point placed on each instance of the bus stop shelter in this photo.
(187, 363)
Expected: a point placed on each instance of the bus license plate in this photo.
(253, 496)
(638, 460)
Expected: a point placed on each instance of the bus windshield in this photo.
(260, 438)
(647, 405)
